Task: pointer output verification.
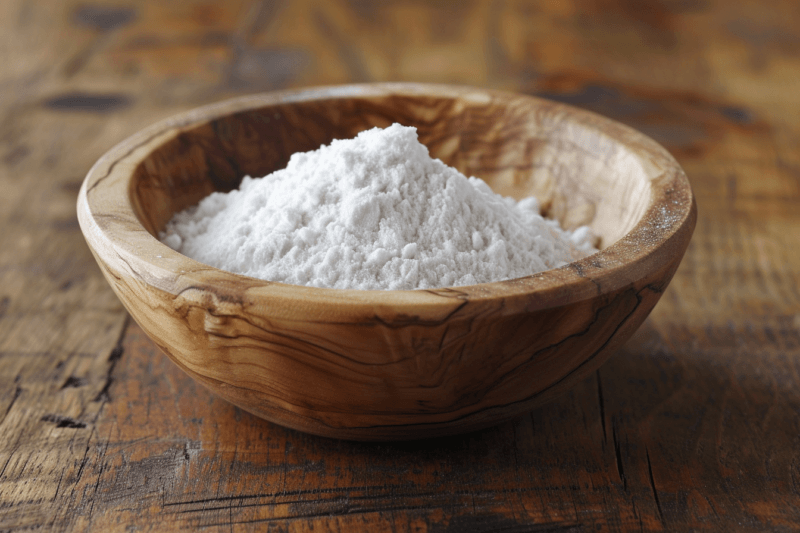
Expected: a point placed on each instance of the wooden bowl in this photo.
(380, 365)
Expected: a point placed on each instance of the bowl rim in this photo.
(119, 235)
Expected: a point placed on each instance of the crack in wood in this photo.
(653, 486)
(113, 358)
(85, 458)
(618, 455)
(602, 406)
(14, 397)
(386, 492)
(326, 514)
(339, 500)
(126, 155)
(73, 382)
(63, 421)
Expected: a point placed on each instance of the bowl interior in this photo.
(520, 146)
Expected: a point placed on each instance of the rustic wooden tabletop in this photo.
(693, 425)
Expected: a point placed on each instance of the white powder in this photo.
(374, 212)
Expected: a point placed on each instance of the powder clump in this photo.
(374, 212)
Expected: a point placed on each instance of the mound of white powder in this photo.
(374, 212)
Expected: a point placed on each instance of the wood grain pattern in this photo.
(691, 426)
(378, 365)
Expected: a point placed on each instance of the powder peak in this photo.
(373, 212)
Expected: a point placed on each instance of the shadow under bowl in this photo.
(383, 365)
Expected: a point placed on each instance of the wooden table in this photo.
(693, 425)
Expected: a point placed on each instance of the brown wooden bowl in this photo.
(379, 365)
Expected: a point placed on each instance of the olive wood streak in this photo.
(376, 365)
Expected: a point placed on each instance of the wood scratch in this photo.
(113, 358)
(17, 392)
(618, 456)
(653, 486)
(602, 407)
